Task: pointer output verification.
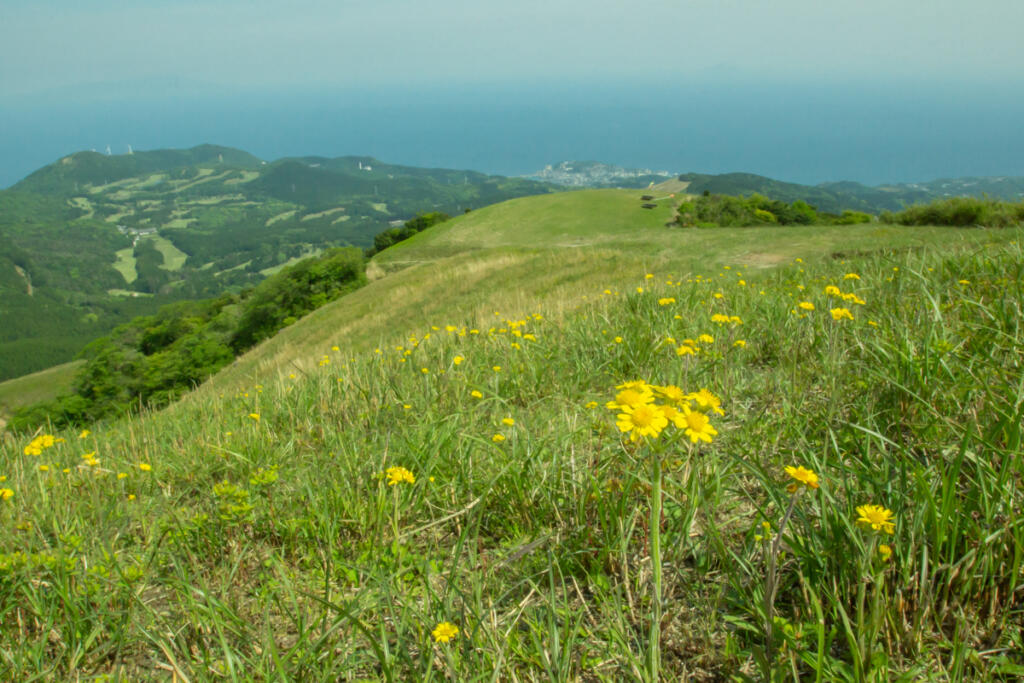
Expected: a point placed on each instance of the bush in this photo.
(959, 212)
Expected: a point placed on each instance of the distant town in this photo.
(596, 174)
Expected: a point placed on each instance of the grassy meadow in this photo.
(735, 454)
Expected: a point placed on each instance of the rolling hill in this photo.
(435, 476)
(92, 239)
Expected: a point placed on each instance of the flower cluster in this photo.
(641, 415)
(397, 475)
(41, 443)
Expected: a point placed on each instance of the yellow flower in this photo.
(44, 468)
(672, 393)
(697, 425)
(496, 368)
(631, 397)
(686, 350)
(131, 496)
(335, 348)
(122, 475)
(425, 371)
(735, 320)
(406, 406)
(618, 340)
(706, 339)
(841, 313)
(641, 420)
(508, 421)
(876, 517)
(396, 475)
(458, 360)
(720, 319)
(145, 466)
(84, 434)
(885, 552)
(665, 301)
(444, 632)
(964, 282)
(6, 494)
(498, 438)
(705, 399)
(851, 276)
(739, 343)
(649, 276)
(476, 394)
(255, 416)
(802, 475)
(806, 305)
(591, 404)
(832, 290)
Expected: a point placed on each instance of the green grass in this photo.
(174, 258)
(39, 386)
(125, 264)
(263, 540)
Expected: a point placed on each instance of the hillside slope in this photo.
(836, 489)
(550, 250)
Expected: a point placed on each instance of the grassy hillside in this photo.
(422, 481)
(38, 386)
(547, 250)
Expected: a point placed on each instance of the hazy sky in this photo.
(69, 44)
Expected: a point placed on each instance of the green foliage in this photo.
(423, 221)
(296, 291)
(960, 212)
(152, 360)
(709, 210)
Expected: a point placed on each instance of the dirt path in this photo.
(28, 280)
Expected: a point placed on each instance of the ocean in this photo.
(808, 133)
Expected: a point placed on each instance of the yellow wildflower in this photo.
(397, 475)
(145, 466)
(498, 438)
(6, 494)
(839, 314)
(851, 276)
(665, 301)
(444, 632)
(697, 425)
(832, 290)
(739, 343)
(804, 476)
(508, 421)
(255, 416)
(885, 552)
(876, 517)
(84, 434)
(476, 394)
(641, 420)
(806, 305)
(458, 360)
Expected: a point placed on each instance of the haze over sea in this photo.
(865, 131)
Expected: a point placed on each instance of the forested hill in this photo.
(837, 197)
(93, 239)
